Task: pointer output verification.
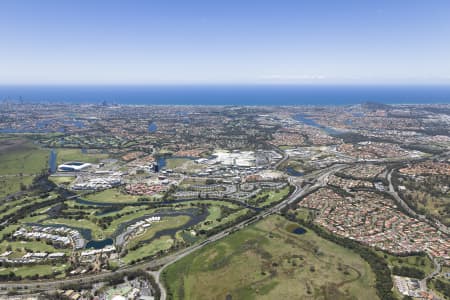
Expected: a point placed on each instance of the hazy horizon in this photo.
(229, 94)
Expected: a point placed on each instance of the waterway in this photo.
(171, 202)
(52, 161)
(161, 161)
(194, 215)
(99, 244)
(293, 172)
(299, 230)
(152, 127)
(308, 121)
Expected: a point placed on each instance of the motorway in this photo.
(161, 263)
(435, 223)
(158, 265)
(410, 211)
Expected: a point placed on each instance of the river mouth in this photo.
(311, 122)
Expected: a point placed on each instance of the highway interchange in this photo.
(156, 266)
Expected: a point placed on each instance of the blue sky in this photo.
(214, 42)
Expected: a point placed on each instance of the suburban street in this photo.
(161, 263)
(410, 211)
(156, 267)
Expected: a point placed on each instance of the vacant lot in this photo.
(65, 155)
(20, 160)
(267, 261)
(160, 244)
(111, 196)
(21, 156)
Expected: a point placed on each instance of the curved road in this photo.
(163, 262)
(410, 211)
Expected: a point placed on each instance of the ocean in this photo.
(229, 95)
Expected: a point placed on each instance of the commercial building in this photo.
(73, 166)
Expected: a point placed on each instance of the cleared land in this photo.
(20, 160)
(172, 163)
(267, 261)
(160, 244)
(21, 156)
(65, 155)
(111, 196)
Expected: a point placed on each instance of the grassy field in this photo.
(172, 163)
(35, 246)
(165, 223)
(66, 180)
(212, 217)
(267, 261)
(273, 196)
(97, 232)
(213, 203)
(41, 270)
(163, 243)
(112, 196)
(21, 156)
(8, 229)
(24, 201)
(423, 263)
(140, 212)
(20, 160)
(12, 184)
(214, 213)
(65, 155)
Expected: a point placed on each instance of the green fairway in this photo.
(65, 155)
(269, 197)
(30, 245)
(66, 180)
(139, 212)
(7, 230)
(163, 243)
(214, 213)
(22, 157)
(267, 261)
(165, 223)
(28, 271)
(97, 232)
(212, 221)
(13, 184)
(111, 196)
